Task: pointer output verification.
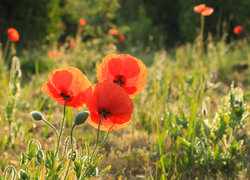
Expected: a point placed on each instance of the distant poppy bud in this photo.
(207, 11)
(81, 117)
(13, 34)
(113, 32)
(199, 8)
(82, 22)
(72, 43)
(238, 30)
(36, 115)
(121, 38)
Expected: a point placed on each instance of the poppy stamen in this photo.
(104, 113)
(65, 96)
(120, 80)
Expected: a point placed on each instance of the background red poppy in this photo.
(13, 34)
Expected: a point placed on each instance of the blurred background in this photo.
(160, 23)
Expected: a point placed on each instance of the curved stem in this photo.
(65, 148)
(5, 171)
(72, 150)
(97, 139)
(37, 142)
(61, 128)
(53, 128)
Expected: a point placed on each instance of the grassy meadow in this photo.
(191, 120)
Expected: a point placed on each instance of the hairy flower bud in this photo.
(23, 174)
(37, 116)
(73, 158)
(81, 117)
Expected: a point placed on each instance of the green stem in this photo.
(50, 125)
(61, 128)
(159, 133)
(97, 139)
(6, 169)
(72, 150)
(5, 51)
(100, 147)
(202, 32)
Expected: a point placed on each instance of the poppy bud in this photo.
(37, 116)
(23, 174)
(39, 156)
(81, 117)
(73, 158)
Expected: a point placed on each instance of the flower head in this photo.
(72, 43)
(82, 22)
(55, 54)
(13, 34)
(112, 103)
(207, 11)
(238, 30)
(121, 38)
(113, 32)
(199, 8)
(124, 70)
(68, 84)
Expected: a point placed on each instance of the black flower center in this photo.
(120, 80)
(65, 96)
(104, 113)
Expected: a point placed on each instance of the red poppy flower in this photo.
(68, 82)
(238, 30)
(199, 8)
(110, 100)
(52, 53)
(207, 11)
(121, 38)
(124, 70)
(113, 32)
(72, 43)
(13, 34)
(55, 54)
(82, 22)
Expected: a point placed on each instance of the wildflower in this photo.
(121, 38)
(113, 32)
(72, 43)
(124, 70)
(58, 56)
(82, 22)
(68, 84)
(112, 103)
(199, 8)
(238, 30)
(55, 54)
(13, 34)
(52, 53)
(207, 11)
